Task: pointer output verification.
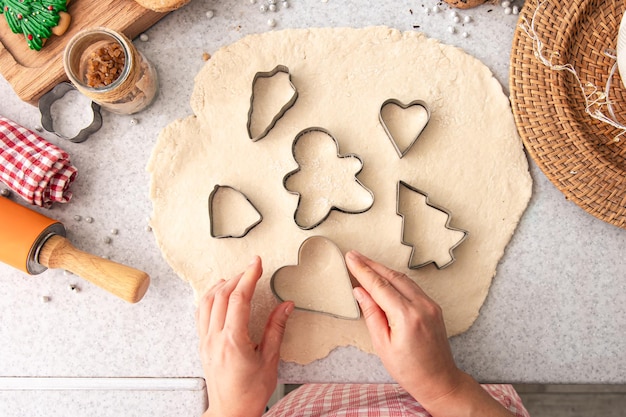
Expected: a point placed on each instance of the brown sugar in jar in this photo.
(105, 66)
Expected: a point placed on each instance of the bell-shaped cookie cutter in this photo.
(447, 226)
(295, 171)
(281, 112)
(420, 103)
(211, 214)
(45, 104)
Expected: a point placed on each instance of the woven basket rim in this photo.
(559, 137)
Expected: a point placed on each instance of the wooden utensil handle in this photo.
(123, 281)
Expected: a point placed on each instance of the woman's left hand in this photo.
(241, 375)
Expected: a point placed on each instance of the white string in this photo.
(595, 99)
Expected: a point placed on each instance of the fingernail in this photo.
(354, 256)
(289, 309)
(357, 294)
(254, 261)
(219, 282)
(359, 255)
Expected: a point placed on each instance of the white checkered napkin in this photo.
(38, 171)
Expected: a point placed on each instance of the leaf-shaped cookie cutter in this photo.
(403, 106)
(281, 112)
(212, 196)
(447, 226)
(295, 171)
(300, 250)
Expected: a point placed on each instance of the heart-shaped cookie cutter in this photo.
(301, 250)
(281, 112)
(403, 106)
(295, 171)
(447, 226)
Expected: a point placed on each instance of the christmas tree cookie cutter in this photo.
(45, 105)
(383, 122)
(212, 216)
(339, 155)
(283, 109)
(447, 226)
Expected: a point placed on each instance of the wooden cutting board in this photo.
(33, 73)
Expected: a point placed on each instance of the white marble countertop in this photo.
(556, 311)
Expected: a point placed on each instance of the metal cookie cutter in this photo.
(45, 103)
(211, 215)
(393, 101)
(447, 226)
(281, 112)
(283, 273)
(295, 171)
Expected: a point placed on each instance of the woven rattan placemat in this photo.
(575, 151)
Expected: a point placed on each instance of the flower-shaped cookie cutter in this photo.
(283, 109)
(295, 171)
(45, 104)
(447, 226)
(396, 102)
(212, 215)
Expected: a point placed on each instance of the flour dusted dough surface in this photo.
(469, 159)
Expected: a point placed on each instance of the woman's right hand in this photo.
(409, 335)
(406, 328)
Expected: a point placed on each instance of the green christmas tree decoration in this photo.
(33, 19)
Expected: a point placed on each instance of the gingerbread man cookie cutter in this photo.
(339, 155)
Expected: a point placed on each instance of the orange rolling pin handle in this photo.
(21, 230)
(128, 283)
(32, 242)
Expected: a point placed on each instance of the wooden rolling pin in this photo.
(32, 242)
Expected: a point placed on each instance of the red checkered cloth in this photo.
(38, 171)
(371, 400)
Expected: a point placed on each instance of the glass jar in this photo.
(105, 66)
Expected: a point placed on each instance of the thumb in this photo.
(275, 329)
(375, 318)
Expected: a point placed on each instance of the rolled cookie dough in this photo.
(469, 159)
